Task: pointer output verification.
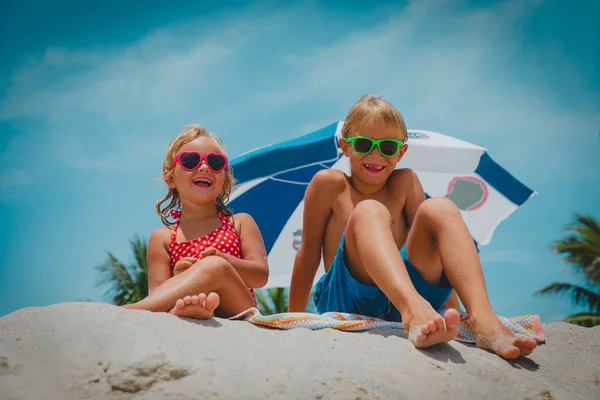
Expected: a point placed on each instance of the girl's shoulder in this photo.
(161, 235)
(240, 220)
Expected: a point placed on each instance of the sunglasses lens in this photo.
(190, 160)
(388, 148)
(216, 162)
(362, 145)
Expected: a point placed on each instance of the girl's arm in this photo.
(253, 267)
(158, 259)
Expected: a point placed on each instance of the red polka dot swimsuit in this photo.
(224, 239)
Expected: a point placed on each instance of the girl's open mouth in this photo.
(203, 182)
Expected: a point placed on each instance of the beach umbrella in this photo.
(272, 180)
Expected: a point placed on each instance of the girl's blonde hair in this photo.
(370, 108)
(172, 198)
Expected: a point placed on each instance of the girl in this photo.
(206, 249)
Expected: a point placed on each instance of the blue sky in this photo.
(91, 95)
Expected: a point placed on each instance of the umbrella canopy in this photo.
(272, 181)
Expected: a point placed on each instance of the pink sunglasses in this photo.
(191, 160)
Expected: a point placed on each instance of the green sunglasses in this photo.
(364, 145)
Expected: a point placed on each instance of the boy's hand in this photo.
(184, 264)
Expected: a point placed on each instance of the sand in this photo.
(99, 351)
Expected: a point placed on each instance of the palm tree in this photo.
(275, 301)
(127, 284)
(581, 248)
(271, 301)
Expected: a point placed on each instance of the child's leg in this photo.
(439, 239)
(211, 274)
(452, 301)
(372, 257)
(200, 306)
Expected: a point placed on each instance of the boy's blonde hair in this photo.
(371, 108)
(190, 133)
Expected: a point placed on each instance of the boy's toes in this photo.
(187, 300)
(509, 352)
(440, 323)
(432, 326)
(526, 352)
(525, 342)
(525, 345)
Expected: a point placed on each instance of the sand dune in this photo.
(99, 351)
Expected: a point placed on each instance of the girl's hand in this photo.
(211, 251)
(184, 264)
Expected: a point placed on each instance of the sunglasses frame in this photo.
(203, 157)
(375, 142)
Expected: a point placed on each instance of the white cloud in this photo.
(94, 110)
(449, 70)
(445, 68)
(141, 78)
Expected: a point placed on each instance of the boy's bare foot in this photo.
(498, 338)
(425, 332)
(200, 307)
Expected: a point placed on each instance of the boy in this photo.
(360, 222)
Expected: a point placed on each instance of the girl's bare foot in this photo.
(425, 332)
(494, 336)
(200, 307)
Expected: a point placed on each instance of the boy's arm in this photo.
(415, 195)
(158, 259)
(253, 267)
(317, 209)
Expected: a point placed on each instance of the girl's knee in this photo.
(214, 265)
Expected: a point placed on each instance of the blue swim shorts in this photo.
(339, 291)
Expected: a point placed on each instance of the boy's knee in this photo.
(371, 209)
(439, 207)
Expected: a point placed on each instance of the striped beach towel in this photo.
(525, 325)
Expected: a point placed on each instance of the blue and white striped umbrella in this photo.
(272, 181)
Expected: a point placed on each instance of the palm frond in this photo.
(581, 247)
(280, 299)
(590, 223)
(272, 300)
(584, 319)
(140, 250)
(275, 301)
(263, 304)
(579, 295)
(126, 284)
